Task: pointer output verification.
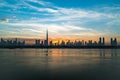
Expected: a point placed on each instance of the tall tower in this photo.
(47, 37)
(100, 41)
(103, 41)
(115, 42)
(111, 41)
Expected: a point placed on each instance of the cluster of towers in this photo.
(101, 41)
(113, 42)
(11, 42)
(76, 43)
(42, 42)
(46, 42)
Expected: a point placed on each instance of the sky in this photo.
(64, 19)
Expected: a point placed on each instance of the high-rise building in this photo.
(100, 41)
(63, 43)
(103, 41)
(113, 42)
(42, 43)
(51, 43)
(37, 42)
(46, 41)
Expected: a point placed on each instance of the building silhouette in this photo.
(46, 41)
(15, 42)
(113, 42)
(101, 41)
(63, 43)
(76, 43)
(42, 42)
(37, 42)
(51, 43)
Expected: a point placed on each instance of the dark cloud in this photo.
(5, 20)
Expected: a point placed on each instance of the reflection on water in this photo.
(59, 64)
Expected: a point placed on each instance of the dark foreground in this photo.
(59, 64)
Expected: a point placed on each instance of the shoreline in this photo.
(61, 47)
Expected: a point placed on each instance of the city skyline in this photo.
(71, 20)
(60, 43)
(47, 40)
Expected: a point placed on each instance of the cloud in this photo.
(40, 9)
(64, 13)
(54, 29)
(43, 3)
(59, 20)
(5, 20)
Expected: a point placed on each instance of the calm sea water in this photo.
(59, 64)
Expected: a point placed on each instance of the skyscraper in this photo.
(46, 40)
(113, 42)
(37, 42)
(103, 41)
(100, 41)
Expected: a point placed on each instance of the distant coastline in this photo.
(63, 44)
(59, 47)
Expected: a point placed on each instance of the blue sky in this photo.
(63, 18)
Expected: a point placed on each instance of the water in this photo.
(59, 64)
